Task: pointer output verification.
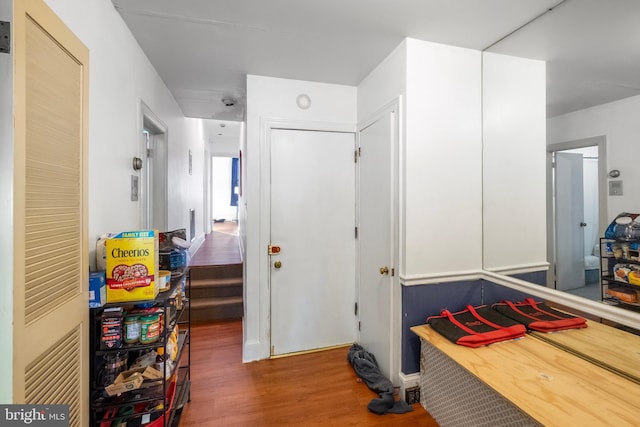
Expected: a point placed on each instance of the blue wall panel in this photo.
(537, 277)
(493, 293)
(421, 301)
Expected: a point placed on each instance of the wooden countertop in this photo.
(611, 348)
(554, 387)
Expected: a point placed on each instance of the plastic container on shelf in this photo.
(620, 227)
(149, 328)
(632, 230)
(175, 260)
(132, 329)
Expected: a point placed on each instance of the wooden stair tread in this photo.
(209, 283)
(215, 264)
(214, 302)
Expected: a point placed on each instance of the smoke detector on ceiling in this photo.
(228, 101)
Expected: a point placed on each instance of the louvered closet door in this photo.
(50, 212)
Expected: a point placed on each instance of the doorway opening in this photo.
(577, 208)
(224, 189)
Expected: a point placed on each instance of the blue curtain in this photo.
(234, 181)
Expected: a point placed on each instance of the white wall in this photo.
(273, 99)
(225, 146)
(514, 163)
(619, 121)
(384, 84)
(120, 77)
(443, 164)
(6, 213)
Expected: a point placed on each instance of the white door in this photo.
(375, 231)
(569, 202)
(312, 276)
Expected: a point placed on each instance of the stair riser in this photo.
(216, 291)
(216, 272)
(221, 312)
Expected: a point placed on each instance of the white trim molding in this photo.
(520, 269)
(427, 279)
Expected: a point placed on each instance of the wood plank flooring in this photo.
(220, 247)
(317, 389)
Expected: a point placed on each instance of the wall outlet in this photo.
(412, 395)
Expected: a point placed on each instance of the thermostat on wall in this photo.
(615, 188)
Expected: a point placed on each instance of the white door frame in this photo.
(601, 142)
(266, 126)
(155, 216)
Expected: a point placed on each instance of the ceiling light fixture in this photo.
(228, 101)
(303, 101)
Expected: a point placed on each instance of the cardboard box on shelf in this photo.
(97, 289)
(132, 266)
(126, 381)
(132, 379)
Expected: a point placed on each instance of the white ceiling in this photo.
(203, 49)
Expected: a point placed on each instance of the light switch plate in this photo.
(134, 188)
(615, 188)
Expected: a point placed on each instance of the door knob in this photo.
(384, 270)
(277, 264)
(583, 224)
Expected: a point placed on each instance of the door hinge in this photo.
(5, 37)
(149, 152)
(355, 156)
(359, 326)
(356, 232)
(356, 309)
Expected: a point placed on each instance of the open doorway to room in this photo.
(576, 209)
(224, 190)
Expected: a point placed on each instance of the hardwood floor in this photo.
(306, 390)
(220, 247)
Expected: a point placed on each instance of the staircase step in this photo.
(216, 288)
(216, 271)
(225, 281)
(206, 310)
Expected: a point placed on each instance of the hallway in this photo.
(217, 276)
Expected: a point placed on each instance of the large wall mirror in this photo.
(591, 51)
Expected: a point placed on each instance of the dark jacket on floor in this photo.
(366, 367)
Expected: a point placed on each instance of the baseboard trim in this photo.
(251, 352)
(407, 381)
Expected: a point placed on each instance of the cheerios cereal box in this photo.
(132, 266)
